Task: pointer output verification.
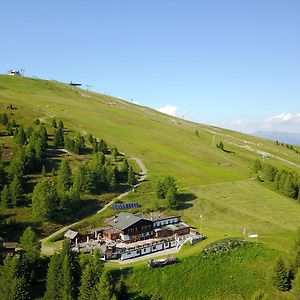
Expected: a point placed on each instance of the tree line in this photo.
(66, 276)
(167, 189)
(288, 183)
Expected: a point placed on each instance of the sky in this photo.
(234, 64)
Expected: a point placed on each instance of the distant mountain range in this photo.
(283, 137)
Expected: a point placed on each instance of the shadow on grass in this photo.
(185, 199)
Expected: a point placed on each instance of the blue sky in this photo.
(234, 64)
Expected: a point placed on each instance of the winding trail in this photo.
(48, 250)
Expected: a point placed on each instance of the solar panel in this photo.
(125, 206)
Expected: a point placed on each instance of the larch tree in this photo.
(87, 284)
(64, 176)
(54, 278)
(280, 277)
(131, 176)
(6, 197)
(289, 187)
(30, 244)
(15, 189)
(105, 287)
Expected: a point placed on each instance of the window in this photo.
(154, 248)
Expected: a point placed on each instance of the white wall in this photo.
(124, 237)
(164, 222)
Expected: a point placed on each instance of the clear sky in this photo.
(230, 63)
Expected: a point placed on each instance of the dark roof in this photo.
(166, 218)
(70, 234)
(10, 245)
(111, 230)
(124, 220)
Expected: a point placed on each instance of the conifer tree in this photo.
(289, 187)
(15, 189)
(64, 176)
(87, 284)
(54, 278)
(160, 190)
(257, 165)
(67, 279)
(111, 178)
(20, 137)
(44, 200)
(91, 138)
(12, 284)
(131, 176)
(54, 125)
(125, 166)
(6, 197)
(30, 244)
(58, 139)
(171, 198)
(269, 172)
(104, 287)
(4, 119)
(281, 278)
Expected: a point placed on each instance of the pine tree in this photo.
(296, 286)
(111, 178)
(160, 190)
(83, 180)
(87, 284)
(257, 165)
(97, 265)
(131, 176)
(54, 278)
(54, 125)
(13, 285)
(277, 180)
(172, 200)
(289, 187)
(124, 166)
(4, 119)
(104, 287)
(91, 138)
(269, 172)
(281, 278)
(64, 176)
(44, 200)
(67, 280)
(20, 137)
(283, 177)
(61, 125)
(6, 197)
(15, 189)
(58, 139)
(30, 244)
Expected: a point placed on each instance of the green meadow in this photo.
(218, 185)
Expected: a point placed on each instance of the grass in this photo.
(236, 274)
(212, 183)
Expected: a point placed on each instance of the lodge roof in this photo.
(10, 245)
(71, 234)
(124, 220)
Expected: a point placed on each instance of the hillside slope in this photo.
(217, 185)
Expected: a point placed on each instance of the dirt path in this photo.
(246, 145)
(48, 250)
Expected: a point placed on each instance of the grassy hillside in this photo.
(216, 184)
